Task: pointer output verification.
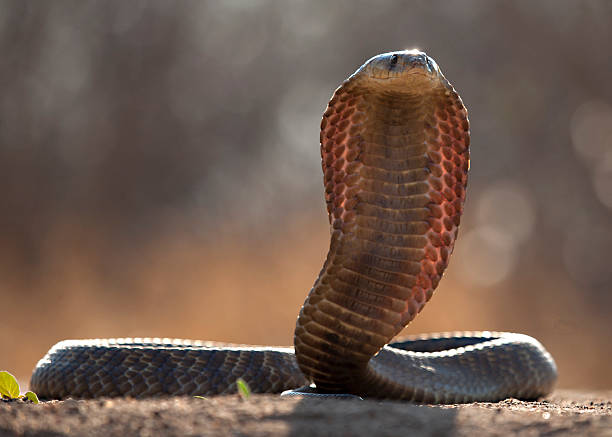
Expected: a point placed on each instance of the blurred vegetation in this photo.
(160, 171)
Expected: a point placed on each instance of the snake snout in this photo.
(405, 67)
(412, 59)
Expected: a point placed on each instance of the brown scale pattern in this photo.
(395, 170)
(447, 136)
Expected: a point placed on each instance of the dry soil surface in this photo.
(564, 413)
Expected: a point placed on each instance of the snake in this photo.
(394, 143)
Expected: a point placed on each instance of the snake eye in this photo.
(393, 59)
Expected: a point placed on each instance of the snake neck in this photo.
(395, 171)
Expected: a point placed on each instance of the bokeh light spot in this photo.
(508, 206)
(505, 218)
(591, 130)
(485, 256)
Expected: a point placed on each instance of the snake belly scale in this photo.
(395, 157)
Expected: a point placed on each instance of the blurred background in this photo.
(160, 169)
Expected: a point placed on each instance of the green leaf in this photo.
(8, 385)
(31, 396)
(243, 389)
(200, 397)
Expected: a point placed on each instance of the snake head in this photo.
(410, 70)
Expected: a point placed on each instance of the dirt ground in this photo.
(564, 413)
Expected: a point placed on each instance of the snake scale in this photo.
(395, 157)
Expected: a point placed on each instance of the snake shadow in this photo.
(367, 417)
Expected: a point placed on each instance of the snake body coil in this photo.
(395, 157)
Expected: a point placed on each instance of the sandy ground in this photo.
(564, 413)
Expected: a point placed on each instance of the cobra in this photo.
(395, 157)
